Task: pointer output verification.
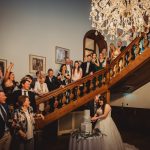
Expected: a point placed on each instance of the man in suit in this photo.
(25, 86)
(93, 106)
(52, 84)
(51, 80)
(5, 137)
(88, 68)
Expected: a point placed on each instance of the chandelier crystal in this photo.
(111, 16)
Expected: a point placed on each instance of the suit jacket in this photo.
(122, 48)
(31, 95)
(91, 68)
(53, 84)
(2, 124)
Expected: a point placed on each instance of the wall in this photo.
(138, 99)
(37, 27)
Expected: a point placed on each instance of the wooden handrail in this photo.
(58, 91)
(99, 82)
(58, 113)
(128, 48)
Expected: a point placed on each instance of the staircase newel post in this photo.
(108, 96)
(107, 72)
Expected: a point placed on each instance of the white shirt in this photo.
(29, 126)
(68, 69)
(87, 67)
(25, 92)
(40, 88)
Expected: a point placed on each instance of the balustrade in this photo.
(76, 91)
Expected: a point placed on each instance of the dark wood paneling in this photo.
(132, 119)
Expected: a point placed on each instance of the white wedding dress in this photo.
(112, 138)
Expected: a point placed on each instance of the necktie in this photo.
(4, 115)
(25, 93)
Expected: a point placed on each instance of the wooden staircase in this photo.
(132, 58)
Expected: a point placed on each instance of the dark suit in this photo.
(91, 68)
(93, 108)
(2, 127)
(31, 96)
(53, 84)
(51, 129)
(122, 48)
(2, 124)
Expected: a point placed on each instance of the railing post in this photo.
(107, 71)
(108, 96)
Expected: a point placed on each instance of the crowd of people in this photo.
(18, 109)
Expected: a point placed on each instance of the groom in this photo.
(93, 107)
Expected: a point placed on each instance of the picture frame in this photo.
(61, 54)
(37, 63)
(3, 65)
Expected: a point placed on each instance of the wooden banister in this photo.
(82, 91)
(72, 85)
(127, 49)
(58, 113)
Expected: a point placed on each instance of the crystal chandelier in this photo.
(111, 16)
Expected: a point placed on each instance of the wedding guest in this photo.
(104, 52)
(25, 90)
(51, 80)
(102, 61)
(40, 86)
(95, 61)
(23, 124)
(63, 79)
(114, 52)
(76, 71)
(9, 84)
(52, 84)
(63, 75)
(30, 79)
(88, 68)
(5, 137)
(38, 74)
(76, 75)
(68, 63)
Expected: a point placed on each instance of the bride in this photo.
(112, 138)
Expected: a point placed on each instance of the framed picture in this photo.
(3, 65)
(61, 54)
(37, 63)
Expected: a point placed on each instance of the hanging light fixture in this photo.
(114, 17)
